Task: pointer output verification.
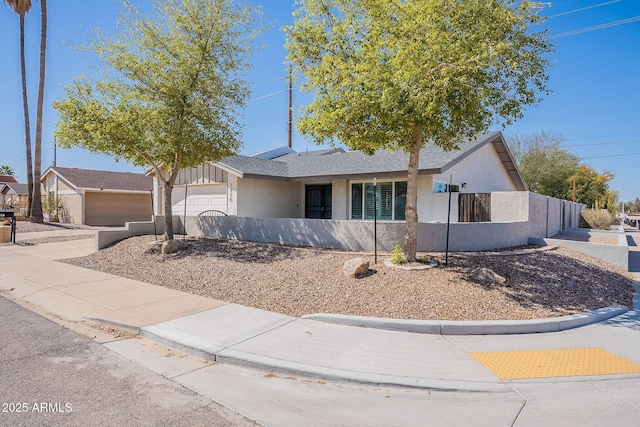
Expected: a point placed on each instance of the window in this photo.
(400, 200)
(356, 201)
(441, 187)
(389, 203)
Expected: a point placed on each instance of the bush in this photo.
(599, 219)
(397, 256)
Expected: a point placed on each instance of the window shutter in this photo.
(356, 201)
(401, 200)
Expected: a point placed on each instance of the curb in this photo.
(486, 327)
(221, 354)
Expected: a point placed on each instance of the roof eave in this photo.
(55, 172)
(503, 152)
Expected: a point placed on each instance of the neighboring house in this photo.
(338, 185)
(99, 198)
(13, 194)
(7, 178)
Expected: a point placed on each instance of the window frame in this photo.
(364, 183)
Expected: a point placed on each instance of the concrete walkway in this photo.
(277, 343)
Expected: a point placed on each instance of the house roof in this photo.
(338, 163)
(102, 180)
(19, 189)
(7, 178)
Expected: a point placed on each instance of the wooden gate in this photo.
(474, 207)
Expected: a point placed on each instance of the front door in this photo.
(317, 202)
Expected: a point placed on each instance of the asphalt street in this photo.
(50, 376)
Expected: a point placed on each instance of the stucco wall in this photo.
(483, 172)
(72, 207)
(262, 198)
(340, 199)
(614, 254)
(509, 206)
(359, 235)
(439, 206)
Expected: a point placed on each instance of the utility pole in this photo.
(290, 128)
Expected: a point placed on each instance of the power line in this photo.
(601, 143)
(612, 155)
(270, 81)
(268, 95)
(583, 9)
(605, 136)
(596, 27)
(582, 114)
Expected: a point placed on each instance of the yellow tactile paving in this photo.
(513, 365)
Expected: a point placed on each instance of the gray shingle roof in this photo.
(19, 189)
(94, 179)
(244, 165)
(337, 163)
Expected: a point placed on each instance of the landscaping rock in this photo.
(356, 267)
(486, 276)
(172, 246)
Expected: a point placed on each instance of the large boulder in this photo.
(173, 245)
(356, 267)
(486, 276)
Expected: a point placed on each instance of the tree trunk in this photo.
(411, 209)
(27, 122)
(168, 214)
(168, 189)
(36, 209)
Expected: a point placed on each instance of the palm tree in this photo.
(6, 171)
(36, 206)
(21, 7)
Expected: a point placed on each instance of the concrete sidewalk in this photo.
(246, 336)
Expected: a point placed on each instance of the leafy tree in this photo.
(633, 207)
(591, 186)
(402, 74)
(521, 144)
(547, 168)
(6, 170)
(611, 202)
(21, 7)
(171, 90)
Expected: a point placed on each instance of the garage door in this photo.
(200, 198)
(114, 209)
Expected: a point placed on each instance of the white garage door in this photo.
(200, 198)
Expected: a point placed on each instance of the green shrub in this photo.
(397, 256)
(599, 219)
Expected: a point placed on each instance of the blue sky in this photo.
(595, 80)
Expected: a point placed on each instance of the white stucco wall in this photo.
(509, 206)
(232, 195)
(268, 199)
(72, 200)
(340, 199)
(482, 171)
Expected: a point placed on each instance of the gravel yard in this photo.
(298, 281)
